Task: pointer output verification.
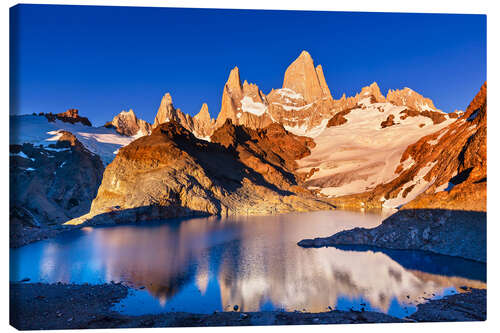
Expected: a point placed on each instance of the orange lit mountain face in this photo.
(294, 149)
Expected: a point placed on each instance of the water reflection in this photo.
(202, 265)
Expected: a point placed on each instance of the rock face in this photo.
(410, 98)
(454, 233)
(243, 104)
(128, 124)
(442, 190)
(200, 125)
(204, 125)
(70, 116)
(49, 185)
(304, 79)
(303, 105)
(171, 173)
(445, 169)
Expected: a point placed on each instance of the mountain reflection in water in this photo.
(207, 264)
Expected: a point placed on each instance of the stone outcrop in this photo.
(171, 173)
(49, 185)
(304, 103)
(203, 124)
(127, 123)
(243, 104)
(410, 98)
(453, 233)
(167, 112)
(70, 116)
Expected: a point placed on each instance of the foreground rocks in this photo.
(468, 306)
(171, 173)
(454, 233)
(54, 306)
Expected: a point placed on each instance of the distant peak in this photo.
(302, 77)
(305, 54)
(125, 112)
(203, 114)
(373, 90)
(234, 82)
(167, 99)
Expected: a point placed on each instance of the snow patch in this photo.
(436, 141)
(445, 187)
(287, 92)
(294, 108)
(360, 150)
(37, 130)
(256, 108)
(304, 131)
(23, 155)
(57, 149)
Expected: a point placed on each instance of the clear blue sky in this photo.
(102, 60)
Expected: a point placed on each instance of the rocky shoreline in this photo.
(453, 233)
(52, 306)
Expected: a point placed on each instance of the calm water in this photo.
(207, 264)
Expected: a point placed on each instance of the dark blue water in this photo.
(207, 264)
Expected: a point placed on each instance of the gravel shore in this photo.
(35, 306)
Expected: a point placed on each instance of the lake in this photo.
(202, 265)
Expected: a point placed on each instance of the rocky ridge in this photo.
(171, 173)
(445, 169)
(442, 190)
(127, 123)
(361, 146)
(70, 116)
(200, 125)
(49, 185)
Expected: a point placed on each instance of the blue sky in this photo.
(102, 60)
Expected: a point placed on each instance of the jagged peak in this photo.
(322, 81)
(411, 98)
(127, 113)
(372, 90)
(234, 81)
(301, 76)
(167, 99)
(204, 114)
(305, 54)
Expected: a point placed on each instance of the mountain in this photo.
(128, 124)
(244, 104)
(445, 169)
(201, 125)
(38, 130)
(302, 105)
(51, 184)
(171, 173)
(304, 79)
(362, 144)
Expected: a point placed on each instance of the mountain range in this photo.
(294, 149)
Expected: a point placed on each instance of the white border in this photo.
(422, 6)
